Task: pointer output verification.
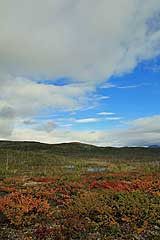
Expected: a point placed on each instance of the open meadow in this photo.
(59, 196)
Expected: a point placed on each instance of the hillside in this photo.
(76, 149)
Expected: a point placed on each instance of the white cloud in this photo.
(105, 113)
(28, 97)
(130, 86)
(141, 132)
(147, 124)
(22, 98)
(103, 97)
(108, 85)
(66, 125)
(83, 39)
(87, 120)
(113, 118)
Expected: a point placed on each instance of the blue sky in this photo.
(117, 101)
(83, 71)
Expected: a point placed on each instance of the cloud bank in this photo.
(140, 132)
(86, 40)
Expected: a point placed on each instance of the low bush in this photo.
(23, 209)
(111, 214)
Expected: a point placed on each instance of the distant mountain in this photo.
(34, 146)
(82, 150)
(154, 146)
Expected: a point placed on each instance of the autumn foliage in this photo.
(96, 206)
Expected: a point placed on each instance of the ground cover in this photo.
(100, 205)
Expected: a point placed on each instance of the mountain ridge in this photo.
(12, 143)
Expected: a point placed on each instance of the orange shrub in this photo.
(24, 209)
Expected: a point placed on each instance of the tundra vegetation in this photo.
(78, 191)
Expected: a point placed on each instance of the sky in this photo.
(80, 71)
